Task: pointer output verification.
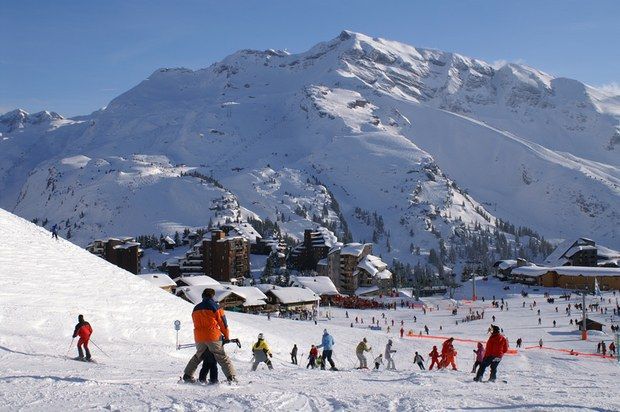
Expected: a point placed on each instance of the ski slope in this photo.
(46, 283)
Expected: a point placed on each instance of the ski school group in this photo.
(211, 333)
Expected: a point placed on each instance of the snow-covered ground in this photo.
(45, 284)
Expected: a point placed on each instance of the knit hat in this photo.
(495, 328)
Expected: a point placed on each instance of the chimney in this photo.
(217, 234)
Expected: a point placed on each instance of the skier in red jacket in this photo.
(83, 330)
(434, 355)
(496, 346)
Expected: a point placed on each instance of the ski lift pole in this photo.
(177, 328)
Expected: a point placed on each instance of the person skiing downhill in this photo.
(261, 352)
(359, 351)
(419, 360)
(55, 231)
(479, 357)
(314, 353)
(448, 355)
(378, 361)
(327, 343)
(209, 327)
(83, 330)
(388, 355)
(496, 347)
(294, 355)
(434, 355)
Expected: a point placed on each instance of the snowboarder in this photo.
(448, 354)
(209, 366)
(359, 351)
(55, 231)
(434, 355)
(388, 355)
(83, 330)
(314, 353)
(327, 343)
(294, 355)
(496, 347)
(378, 361)
(261, 353)
(209, 327)
(419, 360)
(479, 357)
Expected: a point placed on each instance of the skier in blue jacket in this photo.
(327, 343)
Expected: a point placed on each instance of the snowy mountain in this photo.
(395, 144)
(46, 283)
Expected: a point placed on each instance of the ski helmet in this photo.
(260, 336)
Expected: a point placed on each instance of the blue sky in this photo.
(73, 57)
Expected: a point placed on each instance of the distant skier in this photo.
(419, 360)
(378, 361)
(55, 231)
(327, 343)
(519, 342)
(261, 353)
(359, 351)
(294, 355)
(209, 327)
(479, 357)
(402, 332)
(388, 356)
(426, 329)
(83, 330)
(434, 355)
(540, 343)
(314, 353)
(496, 347)
(612, 348)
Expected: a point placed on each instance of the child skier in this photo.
(83, 330)
(479, 357)
(378, 361)
(314, 352)
(434, 355)
(261, 353)
(419, 360)
(209, 366)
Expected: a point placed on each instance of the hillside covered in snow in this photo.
(46, 283)
(376, 140)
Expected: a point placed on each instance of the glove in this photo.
(225, 341)
(271, 355)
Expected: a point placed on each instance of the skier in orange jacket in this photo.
(448, 354)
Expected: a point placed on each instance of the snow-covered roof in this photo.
(322, 262)
(375, 267)
(169, 240)
(126, 245)
(291, 295)
(559, 254)
(201, 280)
(506, 264)
(321, 285)
(366, 290)
(536, 271)
(570, 252)
(243, 229)
(158, 279)
(354, 249)
(251, 295)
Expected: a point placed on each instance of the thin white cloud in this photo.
(498, 64)
(611, 88)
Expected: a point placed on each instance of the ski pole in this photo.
(71, 344)
(97, 346)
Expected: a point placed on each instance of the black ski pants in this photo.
(488, 361)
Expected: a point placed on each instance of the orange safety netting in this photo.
(443, 338)
(572, 352)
